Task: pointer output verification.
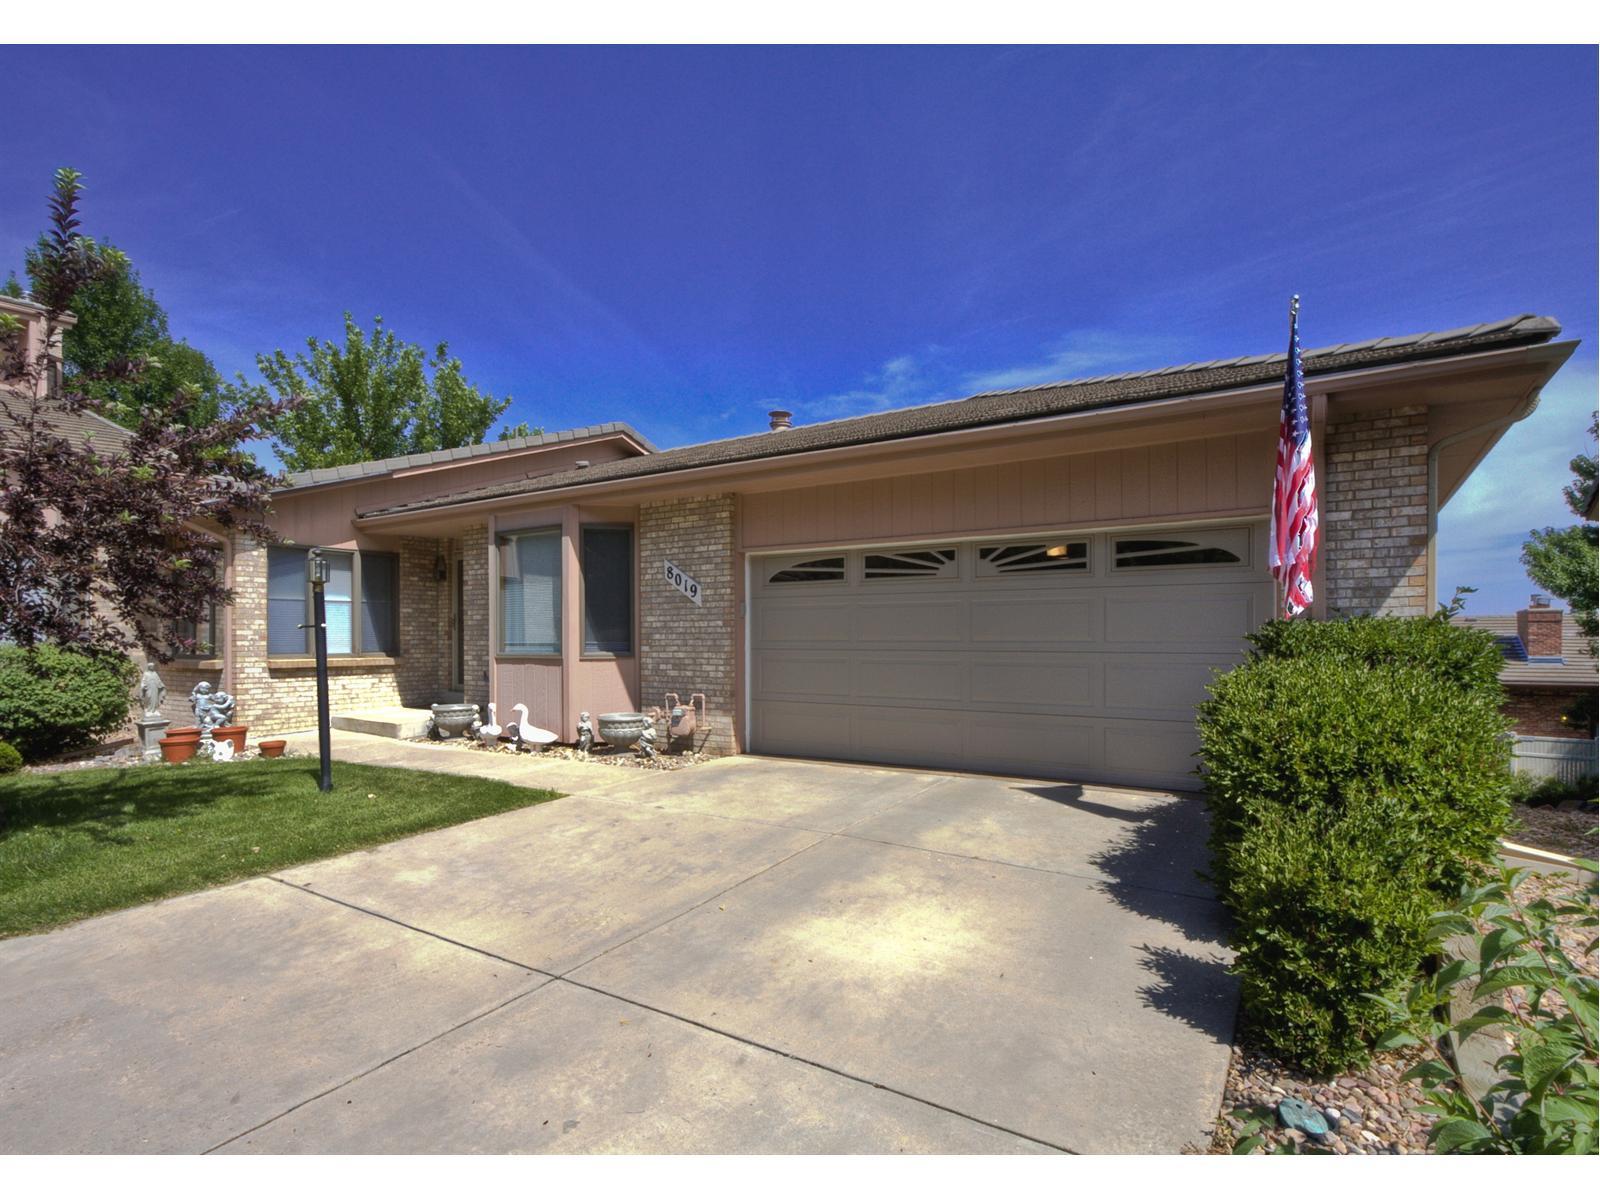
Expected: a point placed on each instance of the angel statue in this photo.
(211, 708)
(585, 733)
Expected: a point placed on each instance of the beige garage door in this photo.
(1073, 656)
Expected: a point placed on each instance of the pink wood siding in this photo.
(536, 684)
(1175, 480)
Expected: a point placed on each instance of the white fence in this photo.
(1566, 759)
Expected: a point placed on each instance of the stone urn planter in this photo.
(453, 720)
(230, 733)
(272, 747)
(623, 729)
(180, 745)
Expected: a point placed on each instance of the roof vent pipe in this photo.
(779, 419)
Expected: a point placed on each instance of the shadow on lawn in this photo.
(101, 808)
(1152, 862)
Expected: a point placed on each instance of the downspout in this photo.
(1498, 425)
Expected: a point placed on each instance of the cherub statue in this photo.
(152, 692)
(211, 708)
(585, 733)
(647, 742)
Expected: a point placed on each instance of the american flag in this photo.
(1293, 552)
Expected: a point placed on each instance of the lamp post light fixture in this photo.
(318, 571)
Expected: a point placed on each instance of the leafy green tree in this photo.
(121, 355)
(1566, 562)
(372, 397)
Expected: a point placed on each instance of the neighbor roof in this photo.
(383, 466)
(1044, 400)
(1577, 668)
(81, 426)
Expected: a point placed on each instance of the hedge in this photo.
(54, 699)
(1356, 773)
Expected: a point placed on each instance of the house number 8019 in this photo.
(684, 583)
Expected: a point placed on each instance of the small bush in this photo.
(10, 758)
(54, 699)
(1357, 777)
(1538, 791)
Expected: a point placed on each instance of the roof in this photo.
(1020, 404)
(383, 466)
(1576, 670)
(82, 426)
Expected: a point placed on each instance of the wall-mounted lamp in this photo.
(441, 569)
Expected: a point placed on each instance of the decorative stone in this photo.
(1297, 1114)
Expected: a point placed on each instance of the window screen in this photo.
(607, 590)
(530, 593)
(379, 573)
(286, 600)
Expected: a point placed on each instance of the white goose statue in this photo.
(522, 734)
(490, 732)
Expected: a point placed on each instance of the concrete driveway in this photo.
(753, 955)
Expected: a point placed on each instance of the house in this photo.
(1549, 669)
(1038, 581)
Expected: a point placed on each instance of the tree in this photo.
(372, 397)
(121, 353)
(1566, 562)
(110, 548)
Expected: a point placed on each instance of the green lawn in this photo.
(77, 843)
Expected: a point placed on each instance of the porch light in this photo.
(441, 569)
(318, 569)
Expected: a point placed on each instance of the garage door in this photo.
(1078, 657)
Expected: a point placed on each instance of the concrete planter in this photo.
(453, 720)
(623, 729)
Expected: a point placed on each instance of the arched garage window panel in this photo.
(1027, 558)
(910, 564)
(1224, 546)
(811, 570)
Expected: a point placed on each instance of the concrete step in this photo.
(393, 722)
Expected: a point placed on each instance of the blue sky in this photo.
(684, 239)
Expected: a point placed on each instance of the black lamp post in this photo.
(318, 570)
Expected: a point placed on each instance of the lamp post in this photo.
(317, 570)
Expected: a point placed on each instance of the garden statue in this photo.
(585, 733)
(222, 751)
(211, 708)
(647, 742)
(152, 692)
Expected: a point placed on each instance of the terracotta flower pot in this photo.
(271, 748)
(231, 733)
(180, 748)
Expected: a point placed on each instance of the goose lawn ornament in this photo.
(490, 732)
(513, 732)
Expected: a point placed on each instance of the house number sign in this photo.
(684, 583)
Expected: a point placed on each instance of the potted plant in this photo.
(232, 733)
(272, 747)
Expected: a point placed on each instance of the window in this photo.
(910, 564)
(530, 592)
(814, 570)
(1024, 558)
(366, 581)
(201, 634)
(607, 589)
(1170, 552)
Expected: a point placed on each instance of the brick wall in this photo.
(1375, 512)
(275, 696)
(475, 617)
(1538, 713)
(686, 648)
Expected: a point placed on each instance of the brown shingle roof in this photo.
(1577, 668)
(999, 408)
(79, 427)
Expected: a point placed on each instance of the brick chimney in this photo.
(1539, 627)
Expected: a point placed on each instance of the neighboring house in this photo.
(1549, 668)
(1038, 581)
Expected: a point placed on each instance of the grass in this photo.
(76, 843)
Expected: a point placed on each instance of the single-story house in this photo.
(1037, 581)
(1549, 668)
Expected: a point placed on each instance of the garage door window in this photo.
(910, 564)
(1136, 553)
(1026, 558)
(812, 570)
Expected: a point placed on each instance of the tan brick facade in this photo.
(683, 647)
(277, 696)
(1375, 512)
(475, 617)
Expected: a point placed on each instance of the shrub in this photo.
(1357, 777)
(10, 758)
(1542, 791)
(54, 699)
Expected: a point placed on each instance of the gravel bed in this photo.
(1371, 1111)
(606, 755)
(1565, 831)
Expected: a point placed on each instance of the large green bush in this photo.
(54, 699)
(1356, 775)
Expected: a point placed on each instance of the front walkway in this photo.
(751, 955)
